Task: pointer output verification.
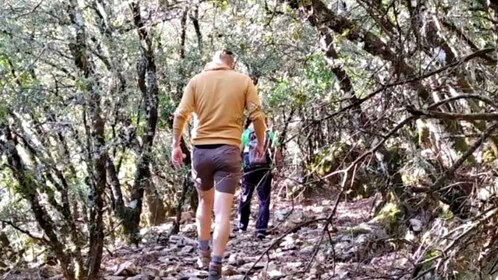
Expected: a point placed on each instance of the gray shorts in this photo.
(218, 167)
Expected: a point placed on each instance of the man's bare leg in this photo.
(222, 212)
(203, 221)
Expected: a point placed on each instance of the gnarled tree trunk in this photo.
(147, 83)
(98, 153)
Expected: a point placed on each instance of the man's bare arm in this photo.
(182, 114)
(256, 115)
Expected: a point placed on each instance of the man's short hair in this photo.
(224, 56)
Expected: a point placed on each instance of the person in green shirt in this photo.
(257, 175)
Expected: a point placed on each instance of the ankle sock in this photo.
(216, 259)
(204, 245)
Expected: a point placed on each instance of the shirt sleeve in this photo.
(184, 109)
(253, 106)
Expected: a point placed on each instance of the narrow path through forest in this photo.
(352, 247)
(359, 249)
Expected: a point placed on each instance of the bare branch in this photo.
(406, 81)
(452, 116)
(438, 184)
(26, 232)
(465, 96)
(374, 148)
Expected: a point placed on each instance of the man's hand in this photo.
(259, 151)
(177, 156)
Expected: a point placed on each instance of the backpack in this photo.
(248, 155)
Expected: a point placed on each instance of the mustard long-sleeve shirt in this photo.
(218, 97)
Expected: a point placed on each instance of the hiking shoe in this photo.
(214, 271)
(240, 228)
(236, 231)
(260, 235)
(203, 259)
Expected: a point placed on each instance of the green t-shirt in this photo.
(271, 135)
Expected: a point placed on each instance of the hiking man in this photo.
(217, 97)
(257, 175)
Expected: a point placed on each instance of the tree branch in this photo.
(452, 116)
(410, 80)
(437, 185)
(25, 232)
(375, 147)
(465, 96)
(451, 26)
(194, 17)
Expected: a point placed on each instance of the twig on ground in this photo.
(303, 224)
(108, 251)
(443, 256)
(327, 223)
(332, 248)
(494, 268)
(423, 273)
(391, 277)
(286, 215)
(470, 228)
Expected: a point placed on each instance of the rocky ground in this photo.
(351, 248)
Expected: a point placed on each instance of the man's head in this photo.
(224, 57)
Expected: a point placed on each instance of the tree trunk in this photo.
(194, 16)
(157, 211)
(187, 184)
(97, 142)
(147, 83)
(28, 188)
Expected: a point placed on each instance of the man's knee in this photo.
(205, 196)
(222, 218)
(223, 204)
